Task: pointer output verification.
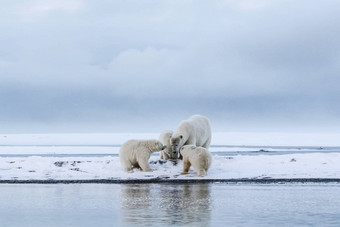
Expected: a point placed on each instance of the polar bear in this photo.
(194, 131)
(197, 157)
(136, 153)
(164, 138)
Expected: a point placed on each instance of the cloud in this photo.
(150, 72)
(242, 59)
(51, 5)
(244, 5)
(35, 10)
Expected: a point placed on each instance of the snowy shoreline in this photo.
(183, 181)
(94, 158)
(288, 166)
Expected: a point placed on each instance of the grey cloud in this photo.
(241, 62)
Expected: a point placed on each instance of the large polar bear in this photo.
(194, 131)
(197, 157)
(164, 138)
(136, 153)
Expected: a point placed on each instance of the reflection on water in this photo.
(166, 204)
(170, 205)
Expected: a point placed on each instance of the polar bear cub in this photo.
(136, 153)
(164, 138)
(197, 157)
(194, 131)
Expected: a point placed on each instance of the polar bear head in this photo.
(176, 143)
(187, 148)
(165, 138)
(154, 145)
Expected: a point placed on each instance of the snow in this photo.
(315, 165)
(94, 156)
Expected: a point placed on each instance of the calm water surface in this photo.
(170, 204)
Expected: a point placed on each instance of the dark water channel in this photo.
(170, 205)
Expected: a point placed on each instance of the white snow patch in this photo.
(315, 165)
(319, 163)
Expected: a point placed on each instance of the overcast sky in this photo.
(142, 66)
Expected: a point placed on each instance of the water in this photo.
(113, 150)
(170, 204)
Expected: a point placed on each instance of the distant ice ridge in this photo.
(218, 138)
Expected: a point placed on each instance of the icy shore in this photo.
(35, 157)
(315, 165)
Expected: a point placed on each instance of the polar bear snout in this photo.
(174, 149)
(173, 155)
(173, 152)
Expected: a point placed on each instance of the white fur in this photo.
(136, 153)
(164, 138)
(194, 131)
(197, 157)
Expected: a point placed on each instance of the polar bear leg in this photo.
(164, 155)
(127, 167)
(207, 144)
(201, 173)
(186, 166)
(144, 165)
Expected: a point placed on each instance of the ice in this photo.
(315, 165)
(35, 157)
(218, 138)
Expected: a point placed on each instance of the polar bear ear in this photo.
(181, 136)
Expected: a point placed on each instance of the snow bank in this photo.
(315, 165)
(320, 160)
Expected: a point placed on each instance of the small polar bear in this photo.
(136, 153)
(197, 157)
(164, 138)
(194, 131)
